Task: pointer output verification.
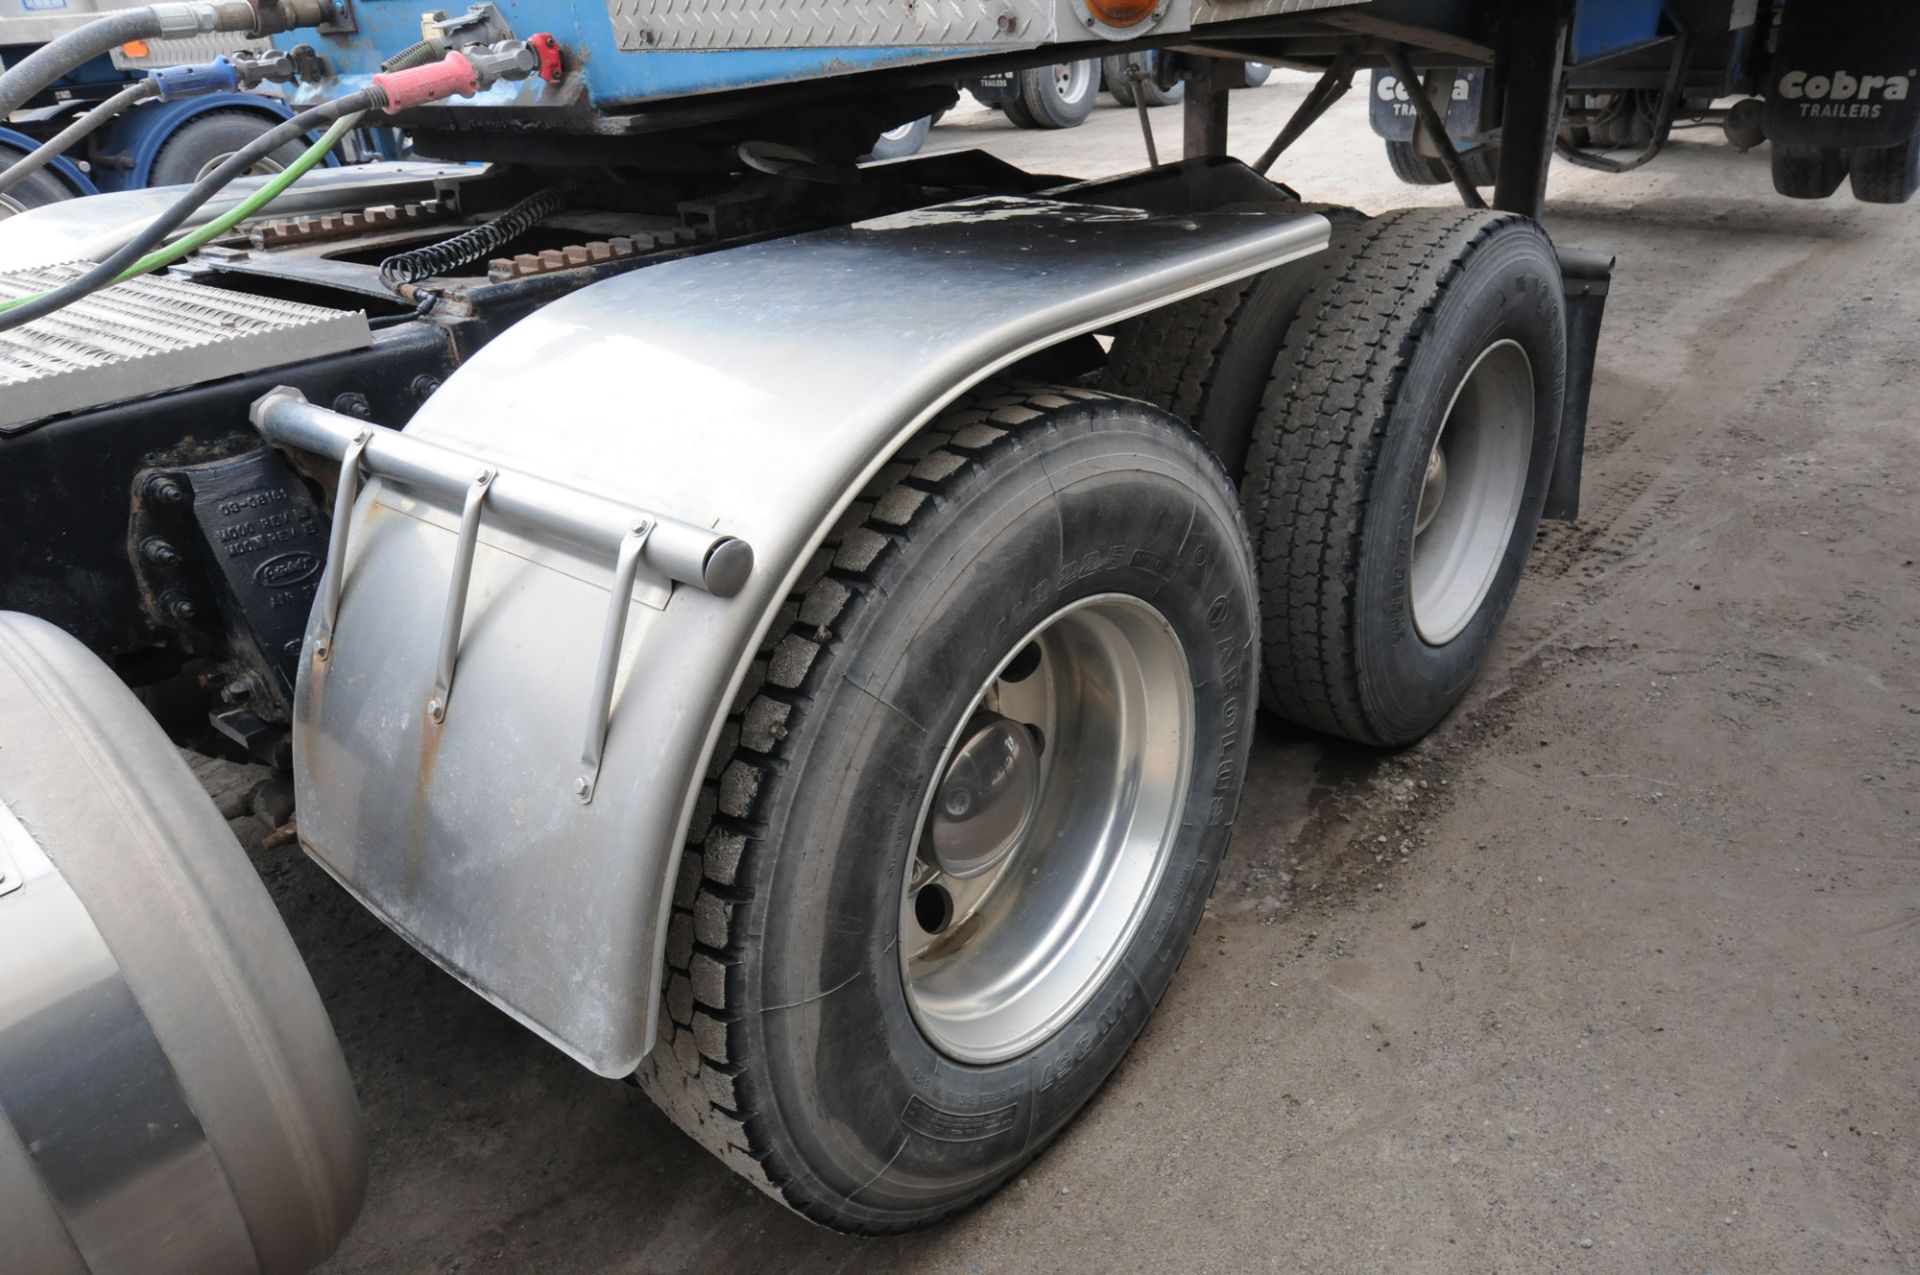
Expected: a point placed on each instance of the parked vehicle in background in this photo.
(1834, 99)
(156, 142)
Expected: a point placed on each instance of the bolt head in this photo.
(435, 709)
(581, 787)
(166, 490)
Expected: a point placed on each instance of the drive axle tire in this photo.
(1031, 640)
(1396, 478)
(1208, 359)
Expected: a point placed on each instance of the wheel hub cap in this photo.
(986, 800)
(1049, 824)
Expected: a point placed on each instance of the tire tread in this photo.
(700, 1072)
(1309, 471)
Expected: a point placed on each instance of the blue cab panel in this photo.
(614, 77)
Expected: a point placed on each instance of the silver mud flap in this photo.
(526, 648)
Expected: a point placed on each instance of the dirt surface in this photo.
(1616, 972)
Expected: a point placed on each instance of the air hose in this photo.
(26, 309)
(471, 245)
(247, 207)
(67, 52)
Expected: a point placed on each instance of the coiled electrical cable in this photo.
(471, 245)
(56, 145)
(26, 309)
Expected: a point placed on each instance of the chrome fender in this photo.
(743, 396)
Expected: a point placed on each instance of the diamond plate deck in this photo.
(149, 335)
(644, 25)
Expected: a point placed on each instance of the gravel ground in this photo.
(1616, 972)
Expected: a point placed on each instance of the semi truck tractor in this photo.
(788, 631)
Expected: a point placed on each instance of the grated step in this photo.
(149, 335)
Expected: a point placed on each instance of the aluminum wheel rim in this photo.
(1036, 919)
(1070, 80)
(9, 206)
(1471, 494)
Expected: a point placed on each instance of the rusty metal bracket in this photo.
(458, 579)
(607, 666)
(347, 492)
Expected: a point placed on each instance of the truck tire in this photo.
(1886, 174)
(1058, 96)
(840, 1025)
(198, 1111)
(1482, 164)
(35, 190)
(1125, 92)
(205, 140)
(1807, 172)
(1396, 478)
(1208, 359)
(1412, 167)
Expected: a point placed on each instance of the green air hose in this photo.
(232, 217)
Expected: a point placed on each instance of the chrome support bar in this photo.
(683, 552)
(607, 667)
(347, 492)
(458, 579)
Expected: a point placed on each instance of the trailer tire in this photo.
(1413, 168)
(1807, 172)
(1124, 91)
(1208, 359)
(1057, 96)
(795, 1043)
(35, 190)
(1886, 174)
(1438, 324)
(205, 140)
(1410, 166)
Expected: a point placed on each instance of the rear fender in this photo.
(743, 396)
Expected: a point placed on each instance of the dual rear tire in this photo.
(969, 807)
(1392, 409)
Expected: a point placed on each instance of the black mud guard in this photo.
(1587, 275)
(1845, 76)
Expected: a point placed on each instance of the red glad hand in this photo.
(547, 49)
(451, 76)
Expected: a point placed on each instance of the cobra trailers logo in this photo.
(1843, 96)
